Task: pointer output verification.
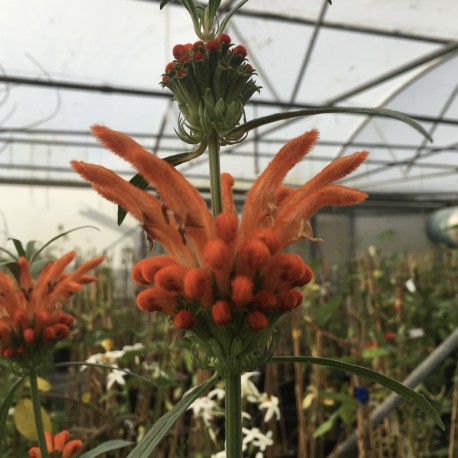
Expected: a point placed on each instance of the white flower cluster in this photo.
(209, 407)
(110, 358)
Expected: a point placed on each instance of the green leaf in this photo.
(19, 248)
(383, 112)
(8, 253)
(63, 234)
(5, 406)
(164, 3)
(108, 446)
(410, 395)
(228, 16)
(160, 429)
(326, 426)
(29, 248)
(176, 159)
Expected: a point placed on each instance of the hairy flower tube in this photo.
(31, 315)
(59, 446)
(212, 82)
(225, 281)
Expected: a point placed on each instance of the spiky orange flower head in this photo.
(59, 446)
(31, 315)
(232, 278)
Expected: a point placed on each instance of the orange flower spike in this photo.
(283, 270)
(178, 194)
(11, 298)
(333, 172)
(262, 194)
(292, 223)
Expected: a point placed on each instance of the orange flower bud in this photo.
(264, 300)
(226, 225)
(253, 255)
(29, 335)
(171, 278)
(213, 45)
(178, 51)
(257, 320)
(240, 50)
(144, 272)
(288, 300)
(71, 448)
(157, 300)
(61, 331)
(184, 319)
(49, 334)
(216, 254)
(306, 278)
(60, 440)
(241, 291)
(270, 238)
(197, 285)
(221, 313)
(42, 318)
(224, 38)
(390, 336)
(8, 352)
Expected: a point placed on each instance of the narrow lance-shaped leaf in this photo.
(383, 112)
(228, 16)
(160, 429)
(410, 395)
(105, 447)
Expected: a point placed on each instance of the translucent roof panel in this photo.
(67, 65)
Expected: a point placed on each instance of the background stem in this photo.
(233, 420)
(37, 414)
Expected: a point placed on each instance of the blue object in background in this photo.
(361, 394)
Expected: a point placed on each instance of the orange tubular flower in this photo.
(31, 315)
(59, 446)
(233, 278)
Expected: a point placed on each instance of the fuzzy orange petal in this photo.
(262, 195)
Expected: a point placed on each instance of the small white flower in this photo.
(205, 408)
(115, 376)
(217, 393)
(410, 285)
(270, 405)
(255, 437)
(249, 390)
(221, 454)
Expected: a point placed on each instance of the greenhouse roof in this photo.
(67, 65)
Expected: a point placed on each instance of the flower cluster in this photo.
(225, 281)
(59, 446)
(31, 315)
(212, 82)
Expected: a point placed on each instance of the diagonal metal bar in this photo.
(450, 48)
(433, 128)
(308, 54)
(390, 97)
(357, 176)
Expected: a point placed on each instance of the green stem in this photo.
(233, 419)
(215, 174)
(37, 414)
